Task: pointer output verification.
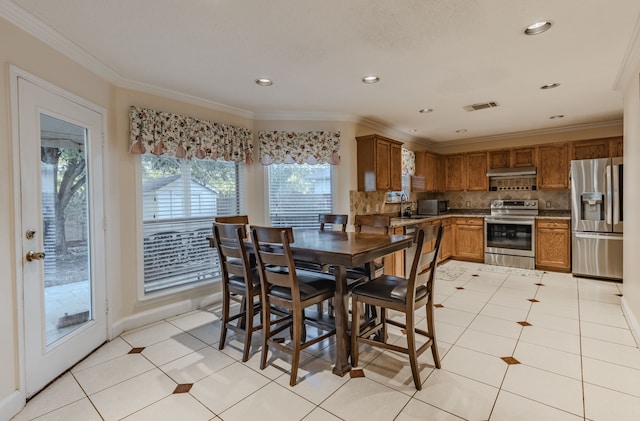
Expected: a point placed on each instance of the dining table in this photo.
(344, 250)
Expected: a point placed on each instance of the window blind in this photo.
(180, 199)
(298, 193)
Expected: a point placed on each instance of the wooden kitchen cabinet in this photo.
(476, 173)
(469, 239)
(446, 245)
(553, 245)
(553, 166)
(455, 174)
(616, 147)
(394, 263)
(428, 175)
(500, 159)
(523, 157)
(379, 163)
(590, 149)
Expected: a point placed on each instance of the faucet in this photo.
(403, 200)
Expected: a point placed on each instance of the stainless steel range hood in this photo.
(512, 172)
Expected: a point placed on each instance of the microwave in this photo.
(433, 207)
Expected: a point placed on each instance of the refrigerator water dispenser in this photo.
(592, 206)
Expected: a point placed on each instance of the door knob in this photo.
(35, 255)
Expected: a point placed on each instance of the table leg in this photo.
(342, 366)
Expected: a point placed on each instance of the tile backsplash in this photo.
(375, 202)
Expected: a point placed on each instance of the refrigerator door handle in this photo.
(608, 202)
(598, 236)
(616, 194)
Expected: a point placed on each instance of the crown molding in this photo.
(630, 66)
(306, 116)
(529, 133)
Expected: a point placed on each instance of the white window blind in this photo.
(298, 193)
(180, 199)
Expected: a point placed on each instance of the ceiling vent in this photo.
(481, 106)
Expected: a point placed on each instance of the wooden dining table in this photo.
(344, 250)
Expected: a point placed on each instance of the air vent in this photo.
(481, 106)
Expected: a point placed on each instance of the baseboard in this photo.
(11, 404)
(632, 320)
(160, 313)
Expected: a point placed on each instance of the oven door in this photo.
(513, 236)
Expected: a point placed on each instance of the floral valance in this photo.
(162, 133)
(299, 147)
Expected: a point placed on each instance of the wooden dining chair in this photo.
(375, 224)
(285, 287)
(335, 220)
(232, 219)
(240, 283)
(404, 295)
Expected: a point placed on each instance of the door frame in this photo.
(15, 74)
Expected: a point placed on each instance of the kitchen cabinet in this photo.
(455, 174)
(553, 166)
(394, 263)
(469, 239)
(428, 175)
(500, 159)
(553, 245)
(476, 173)
(616, 147)
(446, 245)
(523, 157)
(590, 149)
(379, 163)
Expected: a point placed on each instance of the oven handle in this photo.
(488, 220)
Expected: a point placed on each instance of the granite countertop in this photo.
(472, 213)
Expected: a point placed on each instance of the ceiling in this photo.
(438, 54)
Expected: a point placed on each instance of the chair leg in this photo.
(432, 334)
(248, 328)
(266, 330)
(411, 348)
(243, 320)
(225, 317)
(298, 322)
(355, 331)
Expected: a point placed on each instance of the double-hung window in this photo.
(180, 199)
(298, 193)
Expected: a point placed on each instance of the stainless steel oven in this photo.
(509, 233)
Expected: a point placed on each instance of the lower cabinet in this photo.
(469, 239)
(394, 263)
(446, 245)
(553, 245)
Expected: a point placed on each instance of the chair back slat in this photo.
(229, 242)
(275, 261)
(232, 219)
(333, 219)
(378, 224)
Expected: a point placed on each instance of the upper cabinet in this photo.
(553, 166)
(512, 158)
(455, 174)
(477, 171)
(597, 148)
(429, 175)
(379, 163)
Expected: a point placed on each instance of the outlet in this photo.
(468, 204)
(548, 204)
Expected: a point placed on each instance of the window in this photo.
(180, 199)
(298, 193)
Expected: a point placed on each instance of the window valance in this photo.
(317, 147)
(162, 133)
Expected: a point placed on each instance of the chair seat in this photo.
(388, 288)
(310, 284)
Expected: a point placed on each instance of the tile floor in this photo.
(515, 345)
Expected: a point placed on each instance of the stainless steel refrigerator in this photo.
(596, 217)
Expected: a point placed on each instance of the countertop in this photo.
(472, 213)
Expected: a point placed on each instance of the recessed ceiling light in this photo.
(370, 79)
(555, 117)
(412, 130)
(537, 28)
(426, 110)
(461, 131)
(550, 86)
(263, 81)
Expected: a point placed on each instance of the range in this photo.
(509, 238)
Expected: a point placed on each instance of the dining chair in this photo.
(404, 295)
(375, 224)
(232, 219)
(334, 220)
(240, 283)
(285, 287)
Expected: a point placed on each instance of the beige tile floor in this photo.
(577, 360)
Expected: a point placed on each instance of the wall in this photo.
(25, 52)
(631, 271)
